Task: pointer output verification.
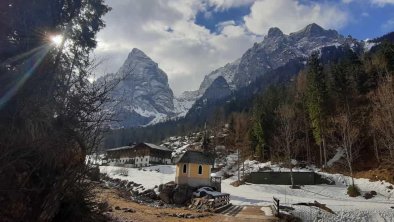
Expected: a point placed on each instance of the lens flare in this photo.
(26, 70)
(57, 39)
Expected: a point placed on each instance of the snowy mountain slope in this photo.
(277, 49)
(228, 72)
(143, 94)
(145, 98)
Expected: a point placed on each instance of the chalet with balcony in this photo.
(139, 155)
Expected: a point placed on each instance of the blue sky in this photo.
(367, 20)
(191, 38)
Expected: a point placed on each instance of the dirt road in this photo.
(124, 210)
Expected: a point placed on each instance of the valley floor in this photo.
(379, 208)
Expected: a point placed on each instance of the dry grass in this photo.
(144, 213)
(378, 174)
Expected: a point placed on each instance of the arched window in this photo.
(184, 168)
(200, 169)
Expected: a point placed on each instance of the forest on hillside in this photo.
(346, 107)
(344, 104)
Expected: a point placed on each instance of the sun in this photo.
(56, 39)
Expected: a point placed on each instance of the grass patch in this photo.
(353, 191)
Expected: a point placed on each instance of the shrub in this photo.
(94, 174)
(353, 191)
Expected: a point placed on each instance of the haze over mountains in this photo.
(144, 97)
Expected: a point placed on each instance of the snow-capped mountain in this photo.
(145, 97)
(228, 72)
(143, 94)
(276, 50)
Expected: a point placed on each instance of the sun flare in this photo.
(57, 39)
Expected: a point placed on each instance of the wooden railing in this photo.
(221, 200)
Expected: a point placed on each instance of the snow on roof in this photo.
(154, 146)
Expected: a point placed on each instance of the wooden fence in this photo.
(222, 200)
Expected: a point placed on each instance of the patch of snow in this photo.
(340, 153)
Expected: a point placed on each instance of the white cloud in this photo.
(166, 31)
(388, 25)
(186, 54)
(382, 2)
(290, 16)
(226, 4)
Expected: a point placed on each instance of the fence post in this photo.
(276, 206)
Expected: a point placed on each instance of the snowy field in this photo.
(334, 196)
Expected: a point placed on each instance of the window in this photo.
(184, 168)
(200, 169)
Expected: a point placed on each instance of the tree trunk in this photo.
(238, 165)
(351, 173)
(321, 154)
(375, 146)
(291, 175)
(325, 152)
(308, 147)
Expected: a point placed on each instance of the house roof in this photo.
(196, 157)
(120, 148)
(153, 146)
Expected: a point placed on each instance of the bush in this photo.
(353, 191)
(94, 174)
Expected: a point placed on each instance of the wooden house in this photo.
(139, 155)
(194, 169)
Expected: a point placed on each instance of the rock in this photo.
(182, 194)
(368, 195)
(129, 210)
(373, 192)
(117, 208)
(166, 194)
(149, 193)
(390, 187)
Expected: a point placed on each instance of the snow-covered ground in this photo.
(334, 196)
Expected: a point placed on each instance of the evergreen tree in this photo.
(316, 101)
(50, 114)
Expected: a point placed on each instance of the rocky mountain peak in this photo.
(135, 53)
(143, 94)
(274, 32)
(218, 89)
(314, 30)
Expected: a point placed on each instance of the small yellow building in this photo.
(194, 169)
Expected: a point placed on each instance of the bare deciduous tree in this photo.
(286, 136)
(346, 138)
(239, 138)
(383, 116)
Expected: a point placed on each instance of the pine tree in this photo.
(316, 100)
